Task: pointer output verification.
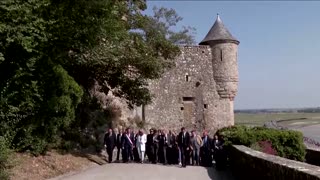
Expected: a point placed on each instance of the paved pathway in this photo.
(120, 171)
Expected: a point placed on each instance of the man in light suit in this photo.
(196, 143)
(141, 145)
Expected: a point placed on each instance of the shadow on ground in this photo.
(215, 174)
(93, 156)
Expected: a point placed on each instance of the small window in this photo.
(181, 108)
(187, 77)
(205, 106)
(202, 51)
(188, 98)
(221, 54)
(197, 84)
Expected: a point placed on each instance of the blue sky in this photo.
(279, 51)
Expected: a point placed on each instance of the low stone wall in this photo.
(247, 163)
(313, 156)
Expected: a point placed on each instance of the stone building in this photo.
(198, 93)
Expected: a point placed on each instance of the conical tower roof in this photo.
(218, 32)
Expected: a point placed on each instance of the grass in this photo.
(260, 119)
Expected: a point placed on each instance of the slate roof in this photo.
(218, 32)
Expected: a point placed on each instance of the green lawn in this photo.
(260, 119)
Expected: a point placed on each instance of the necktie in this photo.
(205, 141)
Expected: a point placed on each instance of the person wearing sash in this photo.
(127, 146)
(133, 140)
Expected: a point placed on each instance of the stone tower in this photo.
(198, 92)
(224, 48)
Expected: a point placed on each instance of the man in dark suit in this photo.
(110, 140)
(127, 145)
(170, 146)
(155, 147)
(149, 146)
(162, 138)
(118, 143)
(133, 140)
(206, 155)
(184, 143)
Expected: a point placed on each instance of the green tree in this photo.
(37, 96)
(52, 52)
(135, 49)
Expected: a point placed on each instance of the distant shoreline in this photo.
(278, 110)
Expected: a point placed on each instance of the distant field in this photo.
(260, 119)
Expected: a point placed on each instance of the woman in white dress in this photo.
(141, 145)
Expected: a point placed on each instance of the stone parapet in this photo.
(313, 156)
(247, 163)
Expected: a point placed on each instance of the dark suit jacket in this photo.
(110, 141)
(208, 144)
(119, 140)
(217, 145)
(149, 139)
(184, 142)
(170, 139)
(126, 142)
(162, 140)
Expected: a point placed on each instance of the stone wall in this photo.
(250, 164)
(187, 94)
(313, 156)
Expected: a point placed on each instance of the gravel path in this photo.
(120, 171)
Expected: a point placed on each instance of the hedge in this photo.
(4, 158)
(287, 143)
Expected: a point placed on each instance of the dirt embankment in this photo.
(26, 166)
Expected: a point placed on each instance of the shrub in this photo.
(4, 156)
(264, 146)
(287, 143)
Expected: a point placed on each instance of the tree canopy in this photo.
(52, 52)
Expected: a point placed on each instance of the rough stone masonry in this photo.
(198, 92)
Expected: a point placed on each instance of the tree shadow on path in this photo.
(215, 174)
(94, 157)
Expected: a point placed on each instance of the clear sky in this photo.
(279, 51)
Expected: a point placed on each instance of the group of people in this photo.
(162, 146)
